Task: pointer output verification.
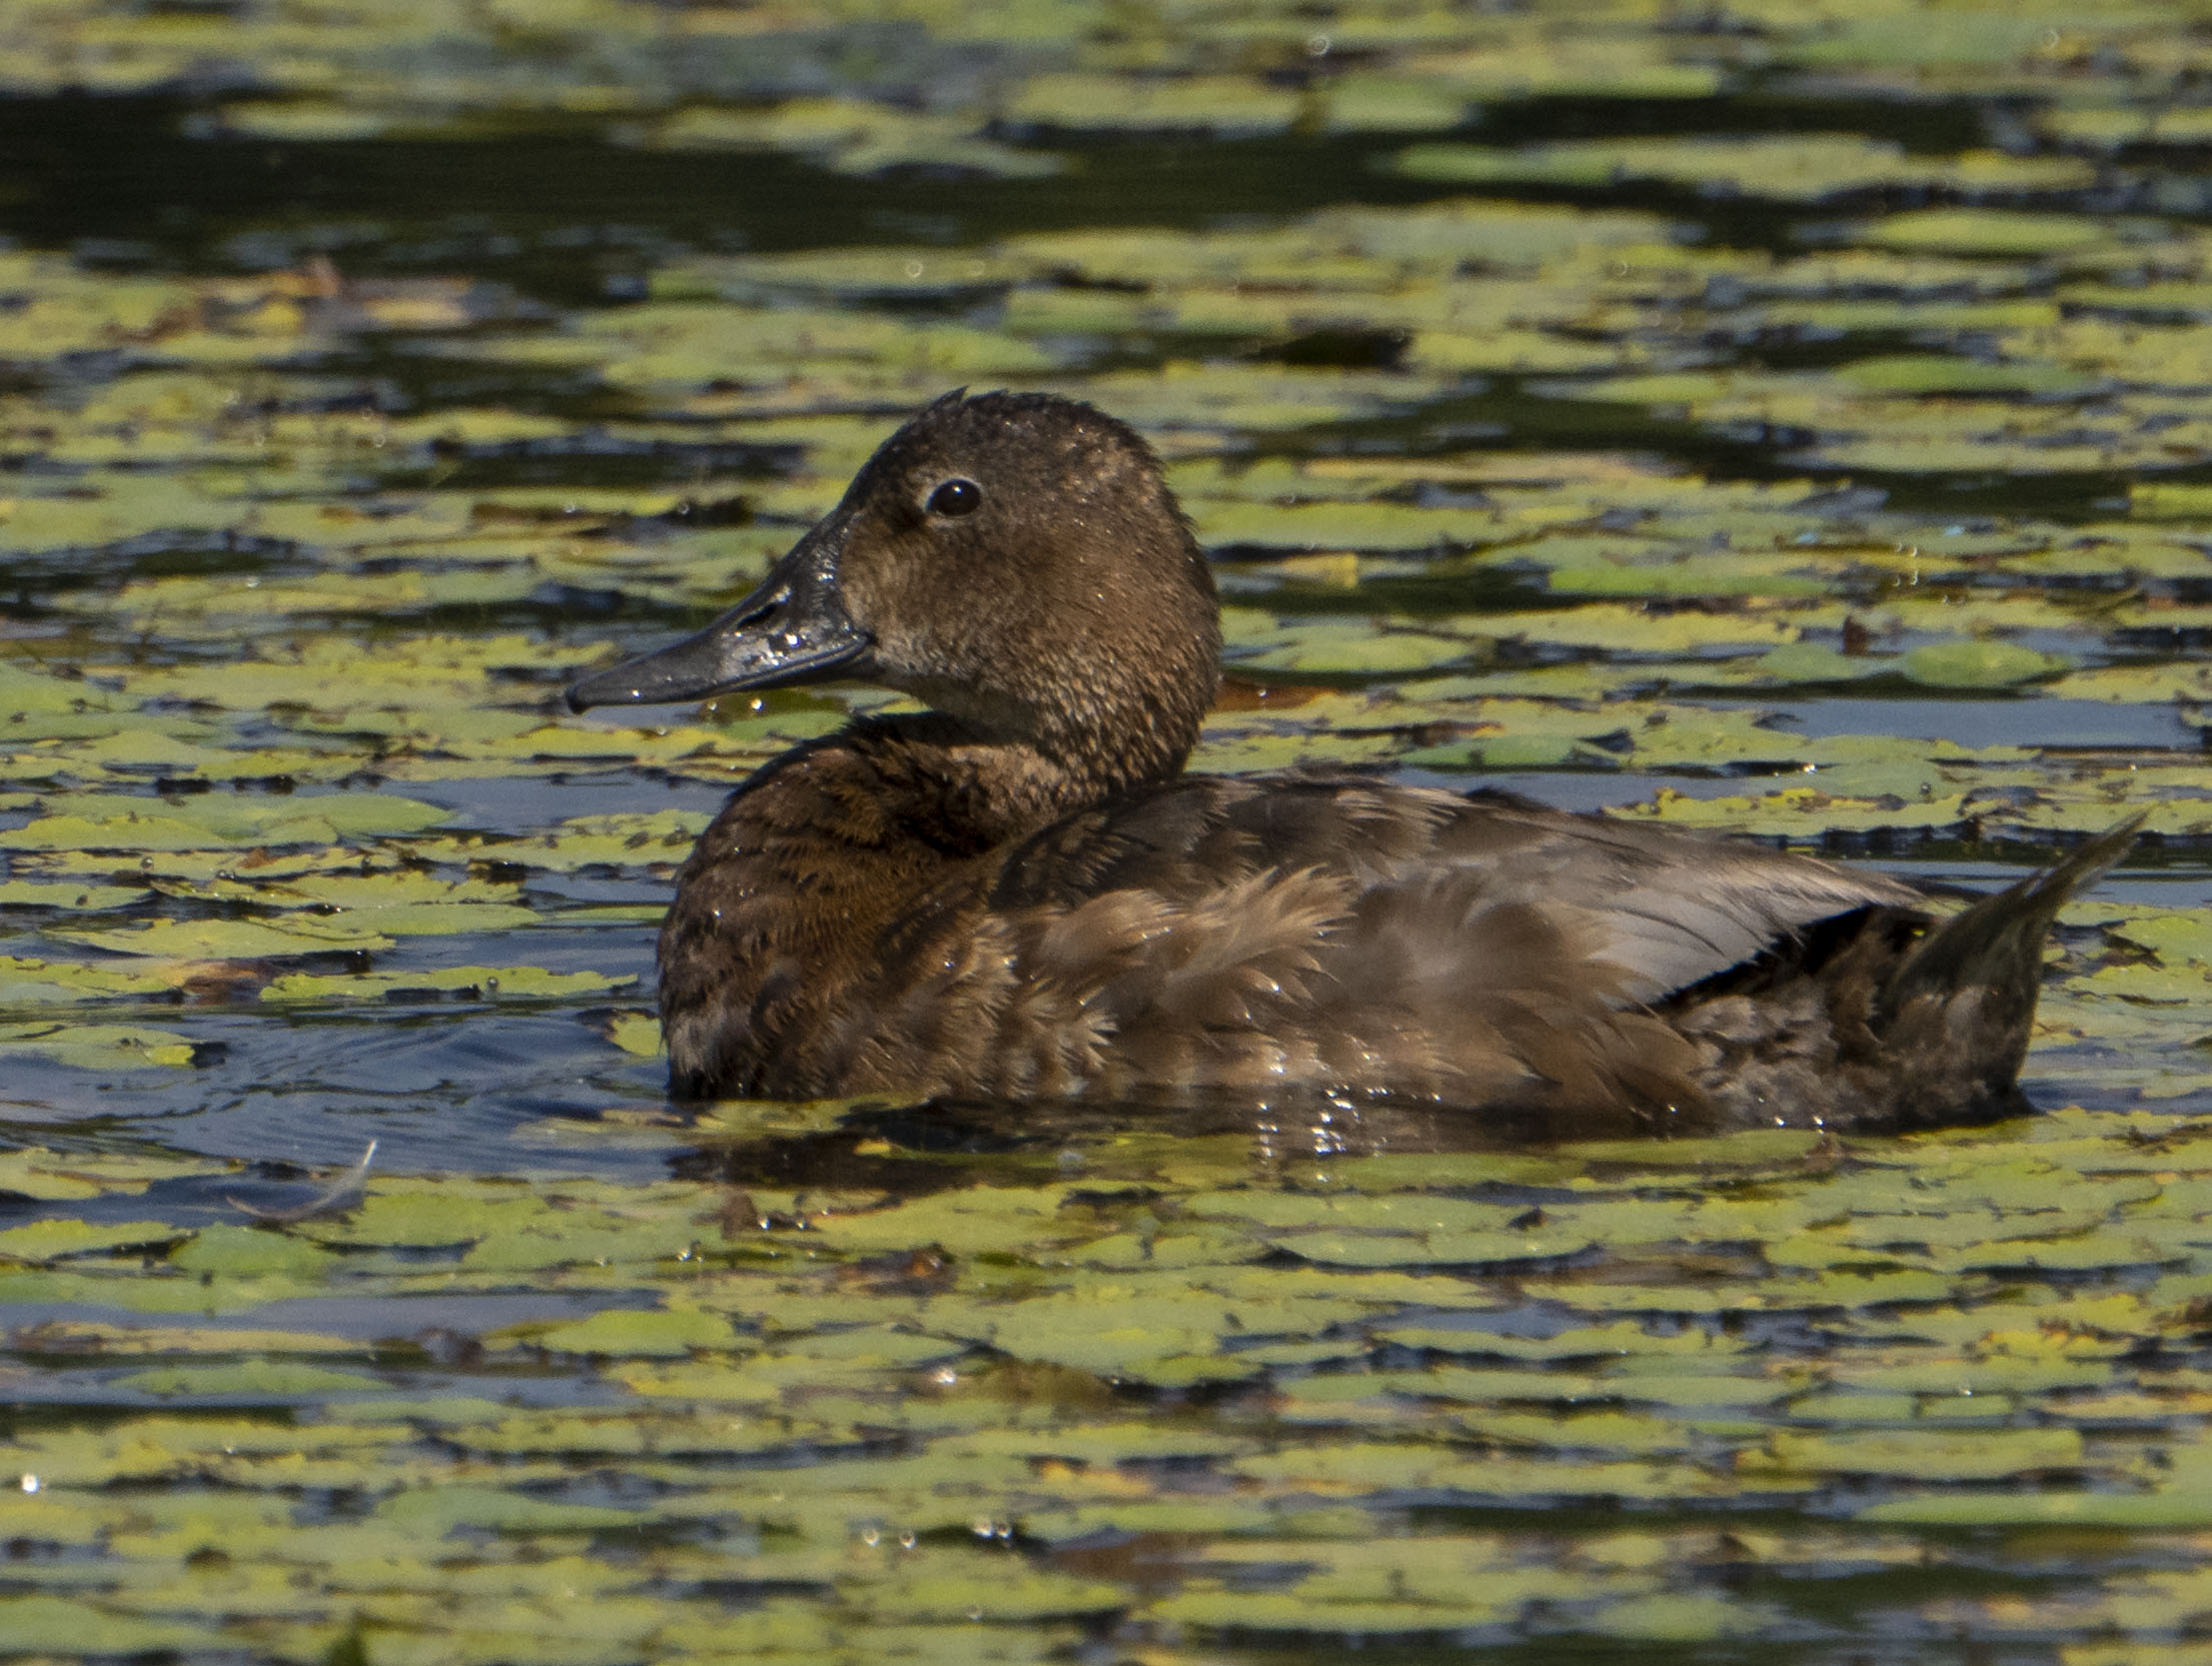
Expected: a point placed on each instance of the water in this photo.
(1847, 492)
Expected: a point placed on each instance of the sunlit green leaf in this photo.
(231, 939)
(621, 1332)
(250, 1379)
(50, 1241)
(468, 983)
(97, 1047)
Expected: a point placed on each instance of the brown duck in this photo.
(1019, 893)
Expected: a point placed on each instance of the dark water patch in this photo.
(566, 213)
(313, 1089)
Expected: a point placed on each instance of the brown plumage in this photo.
(1018, 894)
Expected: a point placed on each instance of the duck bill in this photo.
(794, 629)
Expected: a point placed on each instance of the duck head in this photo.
(1016, 562)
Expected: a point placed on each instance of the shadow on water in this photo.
(562, 215)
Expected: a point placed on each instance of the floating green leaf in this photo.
(625, 1332)
(50, 1241)
(1979, 664)
(63, 1627)
(97, 1047)
(465, 983)
(1987, 232)
(257, 1379)
(231, 939)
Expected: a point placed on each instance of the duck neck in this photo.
(964, 792)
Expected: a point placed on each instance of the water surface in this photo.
(1775, 420)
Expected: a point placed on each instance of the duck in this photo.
(1017, 894)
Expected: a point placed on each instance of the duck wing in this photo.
(1442, 879)
(1667, 908)
(1261, 935)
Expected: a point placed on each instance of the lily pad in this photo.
(52, 1240)
(230, 939)
(97, 1047)
(1989, 232)
(1980, 663)
(467, 982)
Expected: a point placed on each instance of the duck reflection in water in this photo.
(1019, 893)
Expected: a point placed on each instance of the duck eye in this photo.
(957, 497)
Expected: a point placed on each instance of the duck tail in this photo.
(1960, 1003)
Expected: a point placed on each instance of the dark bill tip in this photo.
(792, 630)
(716, 662)
(679, 671)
